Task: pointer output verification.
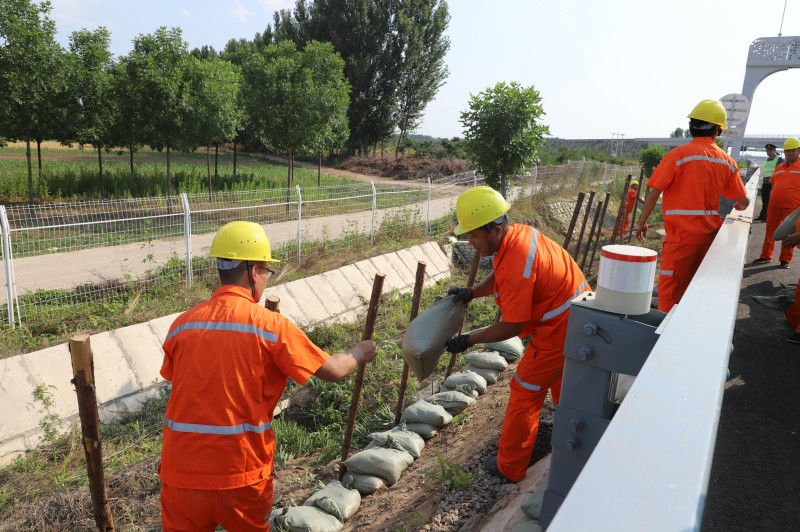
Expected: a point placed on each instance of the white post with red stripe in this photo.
(625, 279)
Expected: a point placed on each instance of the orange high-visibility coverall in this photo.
(692, 178)
(793, 313)
(535, 281)
(228, 359)
(630, 201)
(783, 200)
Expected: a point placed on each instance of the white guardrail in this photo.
(651, 468)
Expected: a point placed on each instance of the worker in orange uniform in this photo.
(630, 201)
(533, 282)
(784, 198)
(692, 178)
(793, 312)
(229, 359)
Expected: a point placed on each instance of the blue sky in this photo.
(626, 67)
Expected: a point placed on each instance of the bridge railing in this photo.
(650, 470)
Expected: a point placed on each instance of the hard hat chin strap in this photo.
(251, 280)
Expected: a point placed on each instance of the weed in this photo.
(452, 475)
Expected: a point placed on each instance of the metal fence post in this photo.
(299, 224)
(474, 179)
(374, 208)
(533, 181)
(187, 236)
(428, 218)
(6, 242)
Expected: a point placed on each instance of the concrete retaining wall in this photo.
(127, 361)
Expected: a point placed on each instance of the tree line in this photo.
(328, 75)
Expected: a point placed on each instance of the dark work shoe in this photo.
(761, 261)
(784, 265)
(490, 465)
(793, 339)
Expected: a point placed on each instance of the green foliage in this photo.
(502, 131)
(650, 157)
(452, 475)
(43, 396)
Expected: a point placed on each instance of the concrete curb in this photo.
(127, 360)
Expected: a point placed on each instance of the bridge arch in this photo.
(767, 56)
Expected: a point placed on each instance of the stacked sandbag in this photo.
(364, 484)
(454, 401)
(303, 519)
(336, 500)
(424, 341)
(475, 382)
(398, 438)
(487, 364)
(510, 349)
(425, 418)
(387, 464)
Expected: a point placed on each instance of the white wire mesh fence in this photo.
(63, 254)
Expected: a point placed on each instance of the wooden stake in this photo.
(418, 285)
(579, 243)
(372, 313)
(473, 272)
(573, 221)
(599, 231)
(272, 303)
(83, 379)
(621, 211)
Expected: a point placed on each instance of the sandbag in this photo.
(510, 349)
(452, 400)
(388, 464)
(788, 226)
(527, 526)
(425, 412)
(471, 379)
(336, 500)
(423, 343)
(533, 504)
(303, 519)
(489, 374)
(486, 360)
(398, 438)
(364, 484)
(426, 430)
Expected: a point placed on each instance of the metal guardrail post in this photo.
(9, 272)
(187, 236)
(428, 216)
(300, 224)
(374, 208)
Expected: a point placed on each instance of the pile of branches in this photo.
(404, 168)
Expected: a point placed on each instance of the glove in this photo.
(461, 294)
(457, 344)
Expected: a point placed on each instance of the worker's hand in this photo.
(641, 231)
(461, 294)
(364, 351)
(791, 240)
(457, 344)
(739, 206)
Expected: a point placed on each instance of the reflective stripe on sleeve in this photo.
(224, 326)
(706, 158)
(531, 254)
(666, 272)
(687, 212)
(217, 429)
(527, 386)
(565, 305)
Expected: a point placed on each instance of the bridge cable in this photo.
(782, 16)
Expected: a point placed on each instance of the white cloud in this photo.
(66, 11)
(238, 11)
(274, 5)
(185, 13)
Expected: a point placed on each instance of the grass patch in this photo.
(453, 476)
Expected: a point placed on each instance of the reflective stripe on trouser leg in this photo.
(679, 263)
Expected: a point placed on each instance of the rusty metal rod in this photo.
(597, 210)
(369, 326)
(418, 285)
(583, 225)
(618, 225)
(636, 204)
(575, 213)
(600, 230)
(473, 272)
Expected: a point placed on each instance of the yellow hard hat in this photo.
(477, 207)
(711, 111)
(242, 241)
(791, 143)
(634, 183)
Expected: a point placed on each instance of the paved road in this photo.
(755, 477)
